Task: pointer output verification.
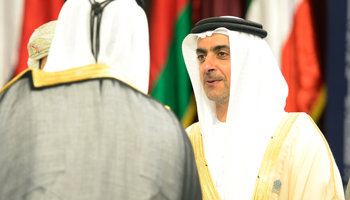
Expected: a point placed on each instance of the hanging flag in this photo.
(293, 41)
(36, 13)
(11, 18)
(217, 8)
(169, 81)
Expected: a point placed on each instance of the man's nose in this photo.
(209, 64)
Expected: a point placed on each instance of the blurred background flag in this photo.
(307, 38)
(170, 23)
(293, 40)
(18, 20)
(11, 18)
(215, 8)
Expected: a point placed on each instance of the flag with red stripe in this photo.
(169, 81)
(18, 20)
(292, 37)
(36, 13)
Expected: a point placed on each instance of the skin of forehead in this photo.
(216, 47)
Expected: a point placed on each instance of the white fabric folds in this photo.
(124, 43)
(258, 93)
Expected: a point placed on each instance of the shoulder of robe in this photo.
(303, 120)
(165, 106)
(307, 128)
(310, 138)
(309, 142)
(24, 73)
(41, 79)
(96, 71)
(301, 115)
(304, 133)
(188, 129)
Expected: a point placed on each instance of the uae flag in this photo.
(170, 23)
(293, 40)
(18, 20)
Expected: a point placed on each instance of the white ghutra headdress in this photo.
(258, 93)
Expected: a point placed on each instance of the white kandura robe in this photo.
(304, 165)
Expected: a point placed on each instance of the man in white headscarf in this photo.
(246, 146)
(39, 45)
(84, 127)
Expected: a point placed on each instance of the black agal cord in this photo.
(96, 15)
(233, 24)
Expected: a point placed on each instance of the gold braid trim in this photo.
(209, 191)
(44, 79)
(264, 181)
(330, 156)
(14, 80)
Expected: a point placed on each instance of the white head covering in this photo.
(123, 40)
(39, 43)
(258, 93)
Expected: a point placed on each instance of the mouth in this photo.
(212, 82)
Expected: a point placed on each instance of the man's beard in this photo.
(222, 96)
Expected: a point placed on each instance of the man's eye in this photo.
(200, 57)
(222, 54)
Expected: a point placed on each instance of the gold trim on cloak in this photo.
(43, 78)
(330, 156)
(209, 190)
(12, 81)
(264, 182)
(265, 178)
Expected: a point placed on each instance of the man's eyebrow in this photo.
(199, 50)
(216, 48)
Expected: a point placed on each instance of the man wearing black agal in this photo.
(246, 146)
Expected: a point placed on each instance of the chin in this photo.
(213, 98)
